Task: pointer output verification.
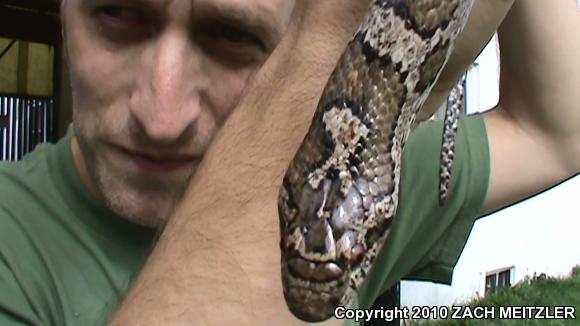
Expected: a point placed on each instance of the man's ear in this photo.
(62, 16)
(61, 13)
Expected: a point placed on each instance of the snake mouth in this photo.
(312, 289)
(321, 272)
(307, 298)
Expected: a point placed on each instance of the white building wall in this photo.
(538, 235)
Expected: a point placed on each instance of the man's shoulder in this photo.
(37, 207)
(19, 180)
(21, 229)
(63, 258)
(27, 194)
(23, 169)
(26, 183)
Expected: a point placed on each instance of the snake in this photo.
(339, 195)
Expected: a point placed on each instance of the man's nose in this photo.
(167, 101)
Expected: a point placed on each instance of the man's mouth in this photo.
(158, 163)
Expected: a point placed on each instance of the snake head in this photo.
(321, 245)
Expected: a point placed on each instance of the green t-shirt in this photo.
(66, 260)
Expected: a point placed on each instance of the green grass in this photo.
(536, 291)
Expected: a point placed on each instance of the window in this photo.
(25, 121)
(497, 279)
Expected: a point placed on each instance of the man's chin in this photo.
(141, 199)
(151, 214)
(151, 222)
(146, 206)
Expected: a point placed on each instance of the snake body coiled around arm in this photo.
(340, 193)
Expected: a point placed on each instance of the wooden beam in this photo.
(29, 25)
(22, 71)
(7, 48)
(44, 6)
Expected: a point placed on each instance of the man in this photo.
(152, 81)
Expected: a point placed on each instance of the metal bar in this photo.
(46, 122)
(21, 117)
(29, 118)
(32, 124)
(39, 133)
(2, 145)
(4, 154)
(43, 121)
(51, 123)
(37, 126)
(22, 125)
(3, 131)
(44, 125)
(27, 124)
(16, 130)
(11, 131)
(42, 118)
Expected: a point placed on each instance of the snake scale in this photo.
(340, 192)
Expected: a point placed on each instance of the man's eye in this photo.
(230, 45)
(124, 14)
(234, 35)
(120, 23)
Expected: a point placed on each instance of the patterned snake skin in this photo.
(340, 192)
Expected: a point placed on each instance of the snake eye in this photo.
(356, 254)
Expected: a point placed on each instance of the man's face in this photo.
(152, 81)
